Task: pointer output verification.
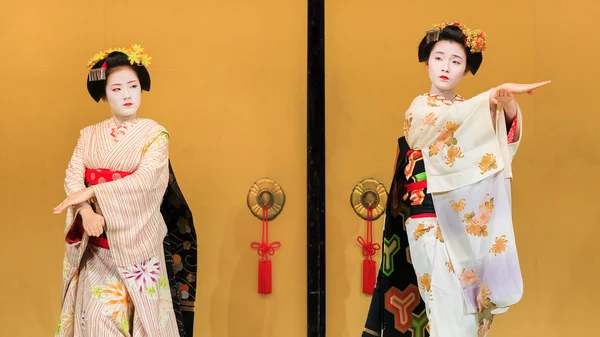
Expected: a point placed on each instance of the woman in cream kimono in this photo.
(116, 280)
(450, 202)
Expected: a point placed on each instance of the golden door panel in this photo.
(228, 82)
(372, 76)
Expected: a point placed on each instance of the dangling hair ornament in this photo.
(135, 54)
(98, 74)
(432, 35)
(474, 39)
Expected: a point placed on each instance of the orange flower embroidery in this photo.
(446, 137)
(117, 303)
(425, 282)
(430, 119)
(500, 246)
(451, 127)
(435, 148)
(447, 134)
(458, 206)
(485, 210)
(483, 299)
(468, 278)
(477, 224)
(450, 266)
(488, 163)
(438, 234)
(407, 125)
(487, 206)
(453, 154)
(484, 218)
(420, 230)
(473, 226)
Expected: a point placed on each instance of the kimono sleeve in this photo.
(510, 139)
(131, 205)
(75, 173)
(75, 180)
(460, 152)
(515, 133)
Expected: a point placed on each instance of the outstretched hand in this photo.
(506, 90)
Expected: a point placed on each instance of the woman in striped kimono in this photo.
(450, 260)
(116, 281)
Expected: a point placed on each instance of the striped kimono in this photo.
(450, 259)
(119, 284)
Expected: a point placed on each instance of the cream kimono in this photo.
(122, 289)
(464, 255)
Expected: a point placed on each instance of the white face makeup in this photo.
(123, 93)
(447, 64)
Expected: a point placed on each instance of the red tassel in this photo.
(369, 276)
(369, 249)
(265, 279)
(264, 249)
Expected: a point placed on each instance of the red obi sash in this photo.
(93, 177)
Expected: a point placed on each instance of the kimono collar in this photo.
(117, 132)
(112, 123)
(440, 98)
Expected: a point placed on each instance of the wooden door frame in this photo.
(315, 135)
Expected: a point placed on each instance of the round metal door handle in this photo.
(266, 192)
(369, 192)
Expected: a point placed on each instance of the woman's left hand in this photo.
(75, 199)
(515, 88)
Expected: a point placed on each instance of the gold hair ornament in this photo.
(135, 53)
(474, 39)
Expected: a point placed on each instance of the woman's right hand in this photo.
(93, 223)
